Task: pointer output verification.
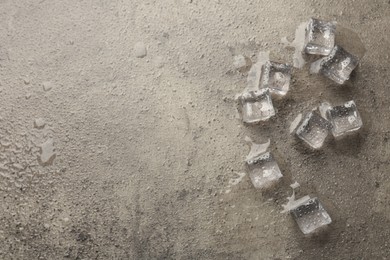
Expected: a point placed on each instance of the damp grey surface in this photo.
(119, 137)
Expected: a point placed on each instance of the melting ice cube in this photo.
(256, 106)
(339, 65)
(344, 118)
(263, 170)
(320, 37)
(310, 215)
(276, 77)
(313, 129)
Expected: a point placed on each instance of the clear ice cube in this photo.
(276, 76)
(263, 170)
(339, 65)
(310, 216)
(313, 130)
(344, 119)
(256, 106)
(320, 37)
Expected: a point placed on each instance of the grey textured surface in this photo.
(148, 149)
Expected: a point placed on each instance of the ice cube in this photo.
(313, 130)
(344, 118)
(338, 65)
(320, 37)
(310, 215)
(256, 106)
(276, 76)
(263, 170)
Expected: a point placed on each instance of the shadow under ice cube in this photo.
(344, 119)
(256, 106)
(313, 130)
(320, 37)
(310, 216)
(276, 77)
(339, 65)
(263, 170)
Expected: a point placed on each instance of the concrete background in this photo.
(149, 151)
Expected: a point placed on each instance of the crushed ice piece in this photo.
(276, 76)
(323, 109)
(313, 130)
(298, 44)
(310, 216)
(320, 37)
(256, 149)
(292, 203)
(295, 185)
(139, 50)
(263, 171)
(315, 66)
(256, 106)
(39, 123)
(253, 79)
(295, 123)
(47, 85)
(338, 65)
(241, 63)
(47, 152)
(344, 119)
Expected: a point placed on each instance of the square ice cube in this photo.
(339, 65)
(263, 170)
(344, 119)
(313, 129)
(256, 106)
(320, 37)
(276, 76)
(310, 216)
